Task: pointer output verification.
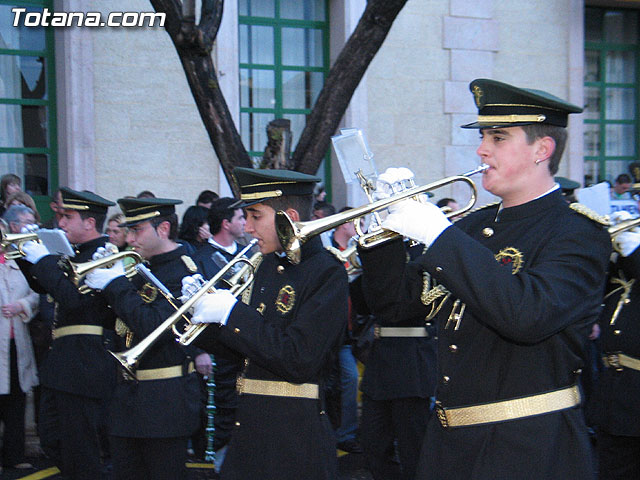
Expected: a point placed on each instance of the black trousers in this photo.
(69, 433)
(12, 408)
(149, 458)
(618, 457)
(385, 422)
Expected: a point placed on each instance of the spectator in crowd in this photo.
(448, 203)
(23, 198)
(322, 209)
(56, 207)
(621, 187)
(117, 234)
(9, 183)
(206, 198)
(348, 377)
(18, 372)
(194, 229)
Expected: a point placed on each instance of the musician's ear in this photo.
(293, 214)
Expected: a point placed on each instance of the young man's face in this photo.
(145, 239)
(76, 229)
(237, 223)
(261, 225)
(511, 160)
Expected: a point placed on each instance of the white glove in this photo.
(620, 216)
(30, 228)
(393, 180)
(214, 307)
(422, 222)
(627, 242)
(34, 251)
(99, 278)
(101, 252)
(190, 285)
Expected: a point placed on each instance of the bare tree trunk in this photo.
(343, 78)
(277, 155)
(194, 44)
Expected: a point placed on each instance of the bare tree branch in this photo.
(343, 78)
(194, 44)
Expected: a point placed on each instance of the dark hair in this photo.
(192, 220)
(220, 210)
(207, 196)
(6, 180)
(559, 135)
(325, 207)
(98, 217)
(443, 202)
(623, 178)
(172, 218)
(300, 203)
(146, 194)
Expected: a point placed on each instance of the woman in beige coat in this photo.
(18, 374)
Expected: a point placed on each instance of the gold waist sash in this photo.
(277, 389)
(509, 409)
(164, 372)
(380, 332)
(619, 360)
(76, 330)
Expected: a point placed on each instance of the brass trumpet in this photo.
(76, 272)
(129, 358)
(623, 226)
(11, 243)
(236, 285)
(293, 235)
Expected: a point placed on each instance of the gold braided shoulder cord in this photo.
(430, 295)
(625, 286)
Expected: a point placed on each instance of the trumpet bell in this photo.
(76, 272)
(11, 243)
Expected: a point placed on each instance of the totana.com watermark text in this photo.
(46, 18)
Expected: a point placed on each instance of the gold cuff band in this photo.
(619, 360)
(380, 332)
(276, 389)
(165, 372)
(260, 195)
(511, 118)
(76, 330)
(509, 409)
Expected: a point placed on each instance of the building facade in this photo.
(109, 109)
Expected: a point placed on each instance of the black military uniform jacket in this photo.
(290, 331)
(154, 408)
(397, 367)
(618, 401)
(78, 364)
(211, 259)
(531, 278)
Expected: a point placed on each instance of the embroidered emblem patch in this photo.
(477, 95)
(511, 257)
(148, 293)
(189, 263)
(286, 299)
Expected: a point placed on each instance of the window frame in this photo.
(51, 151)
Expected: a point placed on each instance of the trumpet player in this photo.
(77, 375)
(151, 419)
(290, 333)
(617, 402)
(519, 285)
